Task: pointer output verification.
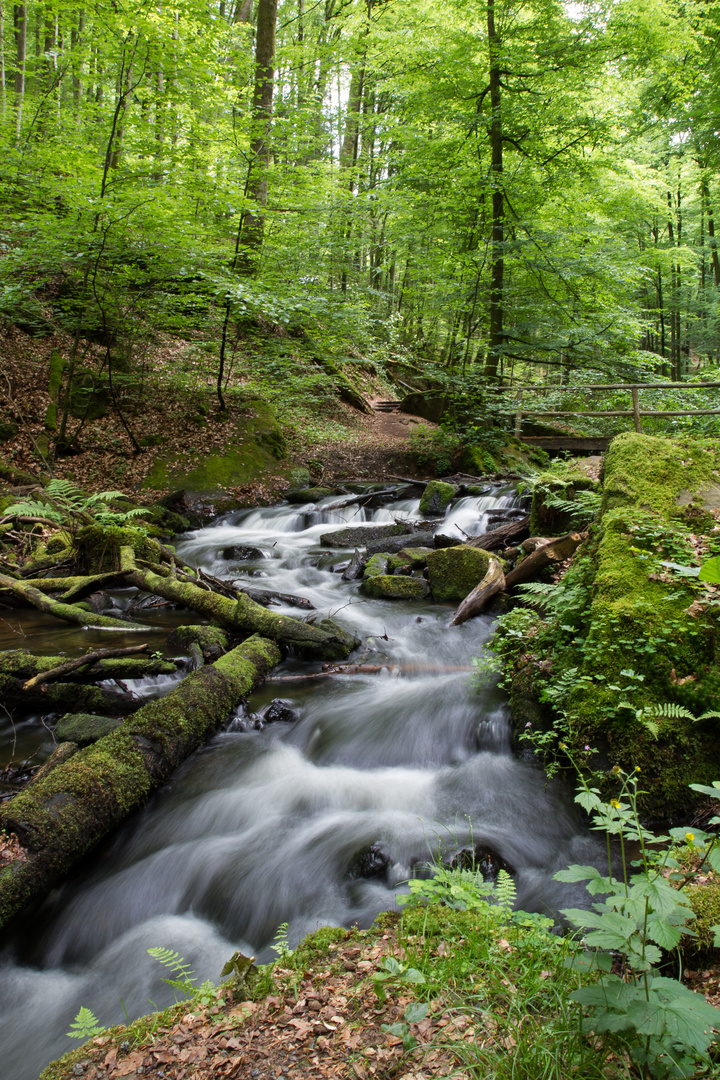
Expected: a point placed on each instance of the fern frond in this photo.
(171, 959)
(84, 1026)
(505, 890)
(711, 715)
(668, 710)
(30, 508)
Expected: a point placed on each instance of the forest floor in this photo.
(325, 1021)
(337, 442)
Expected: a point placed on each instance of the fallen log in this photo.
(475, 601)
(59, 818)
(498, 538)
(67, 612)
(77, 587)
(373, 669)
(554, 551)
(242, 615)
(365, 497)
(56, 673)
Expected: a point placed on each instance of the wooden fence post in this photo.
(636, 408)
(518, 415)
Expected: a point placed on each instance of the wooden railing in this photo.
(635, 411)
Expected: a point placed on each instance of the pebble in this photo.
(78, 1070)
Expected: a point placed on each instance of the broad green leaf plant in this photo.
(637, 915)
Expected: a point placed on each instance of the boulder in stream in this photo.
(395, 587)
(242, 553)
(454, 572)
(436, 498)
(371, 862)
(409, 558)
(363, 535)
(280, 711)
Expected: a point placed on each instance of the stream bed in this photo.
(317, 818)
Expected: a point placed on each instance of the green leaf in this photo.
(412, 975)
(416, 1012)
(390, 964)
(710, 571)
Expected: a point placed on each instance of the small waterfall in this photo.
(269, 823)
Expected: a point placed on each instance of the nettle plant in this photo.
(637, 916)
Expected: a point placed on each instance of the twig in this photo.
(72, 665)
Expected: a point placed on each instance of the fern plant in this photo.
(65, 503)
(85, 1025)
(185, 978)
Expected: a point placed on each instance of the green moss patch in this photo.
(454, 572)
(395, 587)
(436, 498)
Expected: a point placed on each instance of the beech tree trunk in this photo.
(497, 257)
(250, 234)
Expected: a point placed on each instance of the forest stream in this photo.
(317, 818)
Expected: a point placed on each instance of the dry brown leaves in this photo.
(11, 850)
(107, 461)
(324, 1022)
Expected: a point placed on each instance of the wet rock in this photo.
(480, 858)
(395, 587)
(241, 553)
(443, 541)
(371, 862)
(409, 558)
(280, 711)
(454, 572)
(84, 728)
(376, 565)
(436, 498)
(364, 535)
(309, 495)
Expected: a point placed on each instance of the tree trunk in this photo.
(67, 612)
(476, 601)
(497, 258)
(20, 23)
(252, 227)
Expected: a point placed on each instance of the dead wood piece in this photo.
(28, 519)
(267, 597)
(76, 588)
(365, 497)
(374, 669)
(72, 665)
(407, 480)
(356, 567)
(242, 615)
(475, 601)
(67, 612)
(554, 551)
(497, 538)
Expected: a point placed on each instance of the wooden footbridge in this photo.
(597, 444)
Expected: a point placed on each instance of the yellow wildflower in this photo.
(615, 804)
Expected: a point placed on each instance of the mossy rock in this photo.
(436, 498)
(563, 483)
(408, 558)
(395, 587)
(58, 543)
(363, 535)
(653, 473)
(15, 477)
(89, 395)
(84, 728)
(309, 495)
(455, 571)
(251, 451)
(8, 431)
(100, 546)
(377, 565)
(477, 461)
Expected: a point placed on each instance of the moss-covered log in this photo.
(24, 665)
(67, 612)
(242, 615)
(62, 816)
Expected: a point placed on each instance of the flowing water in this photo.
(376, 774)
